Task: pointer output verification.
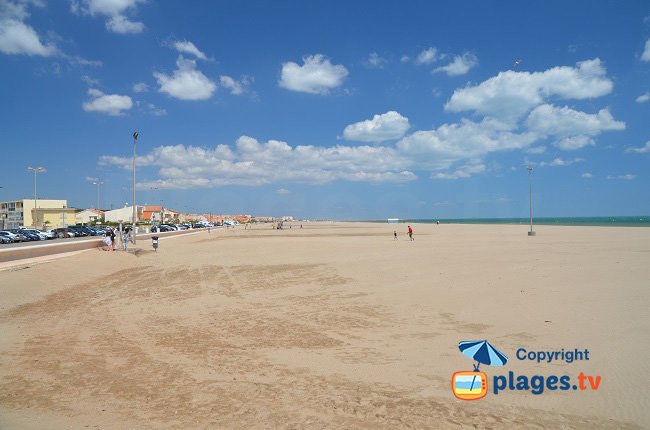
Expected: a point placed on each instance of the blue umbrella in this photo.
(483, 353)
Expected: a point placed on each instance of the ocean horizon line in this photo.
(619, 221)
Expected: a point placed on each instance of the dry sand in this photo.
(330, 326)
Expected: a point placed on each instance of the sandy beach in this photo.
(335, 325)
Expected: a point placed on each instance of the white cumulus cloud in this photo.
(460, 65)
(643, 97)
(236, 87)
(317, 75)
(16, 37)
(464, 171)
(646, 52)
(114, 10)
(571, 143)
(121, 24)
(387, 126)
(186, 83)
(642, 150)
(587, 175)
(510, 94)
(375, 61)
(559, 162)
(464, 140)
(140, 87)
(427, 56)
(187, 47)
(626, 177)
(111, 104)
(251, 162)
(535, 150)
(572, 128)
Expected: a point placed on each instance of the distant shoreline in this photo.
(612, 221)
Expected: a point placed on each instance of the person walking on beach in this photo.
(411, 233)
(395, 234)
(112, 235)
(126, 236)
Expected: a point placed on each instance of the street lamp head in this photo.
(135, 135)
(36, 169)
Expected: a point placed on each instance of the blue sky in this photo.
(330, 109)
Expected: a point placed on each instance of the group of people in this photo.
(410, 233)
(110, 239)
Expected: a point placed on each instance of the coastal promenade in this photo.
(13, 253)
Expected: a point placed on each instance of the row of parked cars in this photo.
(174, 227)
(31, 234)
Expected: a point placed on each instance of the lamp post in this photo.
(4, 218)
(35, 170)
(530, 192)
(135, 210)
(98, 183)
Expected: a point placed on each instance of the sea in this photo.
(620, 221)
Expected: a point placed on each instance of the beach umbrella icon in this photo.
(483, 353)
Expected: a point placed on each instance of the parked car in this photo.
(50, 234)
(101, 230)
(9, 235)
(33, 237)
(5, 239)
(77, 231)
(161, 228)
(89, 231)
(34, 232)
(19, 236)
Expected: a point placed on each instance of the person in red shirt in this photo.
(411, 233)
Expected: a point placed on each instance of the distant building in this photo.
(124, 214)
(393, 220)
(22, 213)
(46, 218)
(158, 214)
(242, 218)
(87, 216)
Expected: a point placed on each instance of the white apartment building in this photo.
(124, 214)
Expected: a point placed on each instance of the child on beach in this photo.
(395, 234)
(411, 233)
(126, 236)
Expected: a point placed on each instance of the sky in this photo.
(329, 109)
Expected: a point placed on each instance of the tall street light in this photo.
(4, 217)
(35, 170)
(135, 210)
(98, 183)
(530, 192)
